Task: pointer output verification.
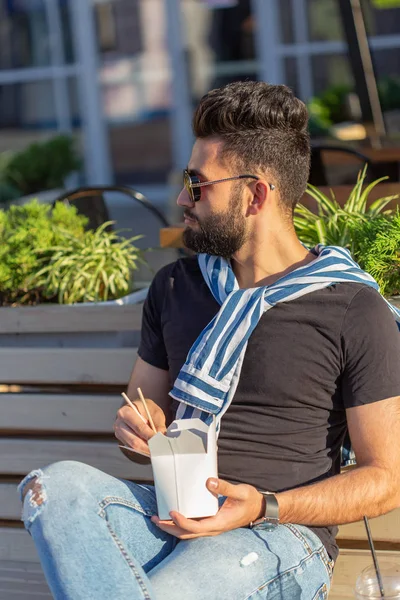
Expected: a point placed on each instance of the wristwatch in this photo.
(271, 517)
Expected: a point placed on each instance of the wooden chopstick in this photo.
(147, 410)
(125, 397)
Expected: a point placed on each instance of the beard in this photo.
(221, 234)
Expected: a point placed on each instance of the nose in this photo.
(184, 198)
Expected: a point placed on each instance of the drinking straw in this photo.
(374, 557)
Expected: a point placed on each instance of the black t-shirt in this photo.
(306, 362)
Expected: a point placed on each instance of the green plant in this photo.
(41, 166)
(319, 123)
(378, 251)
(333, 224)
(7, 190)
(389, 93)
(90, 268)
(24, 229)
(318, 110)
(47, 255)
(330, 107)
(331, 104)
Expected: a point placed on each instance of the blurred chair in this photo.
(104, 203)
(90, 202)
(319, 168)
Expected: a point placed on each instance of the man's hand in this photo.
(242, 505)
(133, 430)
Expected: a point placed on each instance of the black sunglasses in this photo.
(193, 184)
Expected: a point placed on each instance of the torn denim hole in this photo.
(35, 498)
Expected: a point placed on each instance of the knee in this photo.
(35, 487)
(65, 478)
(58, 484)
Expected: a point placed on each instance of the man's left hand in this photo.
(243, 504)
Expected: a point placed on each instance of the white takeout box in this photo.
(182, 460)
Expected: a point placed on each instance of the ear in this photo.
(261, 192)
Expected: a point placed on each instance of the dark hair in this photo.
(263, 127)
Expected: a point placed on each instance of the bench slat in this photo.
(75, 413)
(69, 319)
(19, 456)
(17, 545)
(22, 580)
(10, 506)
(66, 365)
(9, 588)
(385, 528)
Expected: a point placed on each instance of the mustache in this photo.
(189, 215)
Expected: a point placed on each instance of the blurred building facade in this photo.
(124, 75)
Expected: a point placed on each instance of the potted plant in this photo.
(7, 190)
(47, 255)
(333, 224)
(39, 169)
(371, 233)
(377, 250)
(48, 258)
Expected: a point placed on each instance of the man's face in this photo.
(216, 224)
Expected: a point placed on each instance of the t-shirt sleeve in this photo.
(371, 350)
(152, 347)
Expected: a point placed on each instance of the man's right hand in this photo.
(133, 431)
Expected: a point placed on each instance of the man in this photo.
(302, 349)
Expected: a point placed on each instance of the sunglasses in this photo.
(193, 185)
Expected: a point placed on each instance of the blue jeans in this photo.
(96, 541)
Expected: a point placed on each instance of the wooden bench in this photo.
(61, 374)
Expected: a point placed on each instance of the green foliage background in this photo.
(40, 166)
(332, 224)
(370, 231)
(330, 107)
(47, 255)
(378, 251)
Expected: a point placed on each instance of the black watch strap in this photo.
(271, 516)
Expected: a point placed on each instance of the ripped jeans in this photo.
(95, 542)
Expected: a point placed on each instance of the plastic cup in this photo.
(367, 586)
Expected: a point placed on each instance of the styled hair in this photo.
(263, 127)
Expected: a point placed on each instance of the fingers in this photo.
(222, 487)
(134, 451)
(159, 421)
(183, 534)
(129, 438)
(201, 526)
(132, 428)
(157, 414)
(135, 422)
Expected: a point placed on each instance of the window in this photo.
(24, 35)
(330, 70)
